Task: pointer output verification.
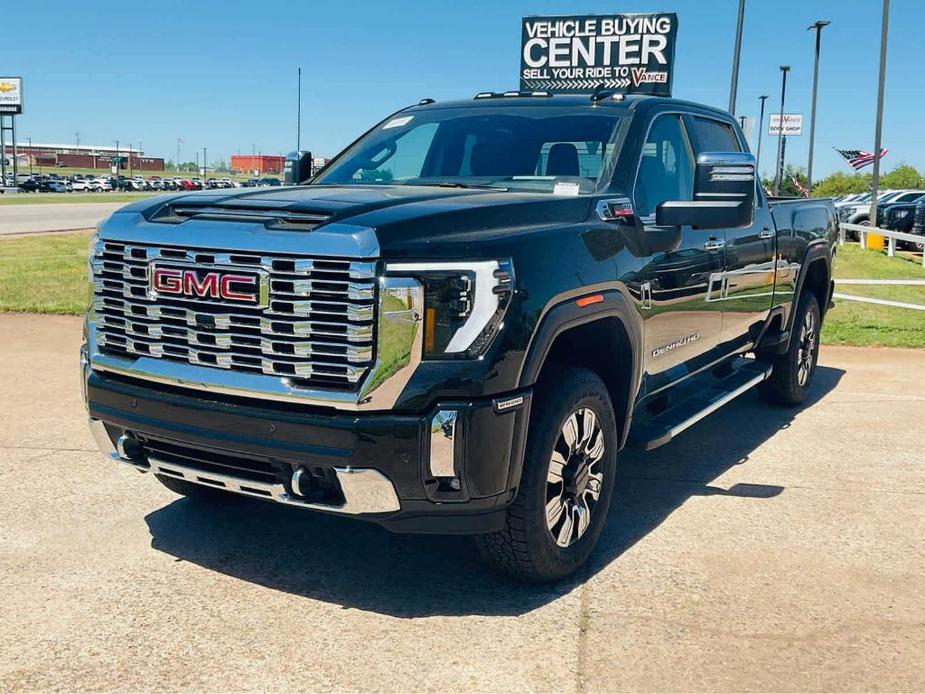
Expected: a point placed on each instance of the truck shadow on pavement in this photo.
(361, 566)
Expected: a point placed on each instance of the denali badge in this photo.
(210, 283)
(659, 351)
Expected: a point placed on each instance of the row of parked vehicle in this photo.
(897, 210)
(79, 183)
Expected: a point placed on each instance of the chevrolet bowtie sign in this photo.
(11, 95)
(629, 53)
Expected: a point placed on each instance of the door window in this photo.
(666, 171)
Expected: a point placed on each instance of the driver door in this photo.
(682, 290)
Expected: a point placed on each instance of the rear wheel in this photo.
(793, 371)
(567, 483)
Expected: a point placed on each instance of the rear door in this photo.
(681, 298)
(748, 277)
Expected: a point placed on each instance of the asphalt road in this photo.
(29, 219)
(765, 549)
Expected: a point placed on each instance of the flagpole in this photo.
(875, 184)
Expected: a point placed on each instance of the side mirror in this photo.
(724, 194)
(298, 168)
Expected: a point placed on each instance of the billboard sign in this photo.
(793, 124)
(11, 95)
(630, 53)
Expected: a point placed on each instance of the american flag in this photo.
(804, 191)
(858, 159)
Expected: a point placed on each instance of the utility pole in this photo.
(818, 27)
(298, 137)
(779, 175)
(117, 154)
(178, 153)
(31, 156)
(77, 135)
(734, 86)
(875, 185)
(205, 167)
(760, 128)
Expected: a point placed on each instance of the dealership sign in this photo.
(631, 53)
(11, 95)
(793, 124)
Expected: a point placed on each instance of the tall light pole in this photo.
(205, 167)
(875, 185)
(760, 127)
(298, 137)
(31, 155)
(779, 165)
(817, 27)
(734, 85)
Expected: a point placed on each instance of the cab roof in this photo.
(574, 101)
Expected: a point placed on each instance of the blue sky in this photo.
(222, 75)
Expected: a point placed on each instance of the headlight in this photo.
(903, 213)
(464, 303)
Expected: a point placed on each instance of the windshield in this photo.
(524, 148)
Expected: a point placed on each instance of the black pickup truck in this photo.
(458, 324)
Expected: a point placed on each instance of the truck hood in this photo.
(404, 217)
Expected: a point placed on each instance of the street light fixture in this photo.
(784, 69)
(817, 27)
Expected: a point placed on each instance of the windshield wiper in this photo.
(456, 184)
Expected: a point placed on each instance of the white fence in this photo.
(891, 236)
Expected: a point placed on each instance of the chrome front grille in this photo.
(918, 222)
(316, 328)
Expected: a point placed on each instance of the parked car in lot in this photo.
(81, 185)
(859, 212)
(270, 182)
(101, 185)
(472, 310)
(53, 185)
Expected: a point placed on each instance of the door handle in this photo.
(767, 233)
(714, 245)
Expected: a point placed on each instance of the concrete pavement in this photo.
(28, 219)
(765, 549)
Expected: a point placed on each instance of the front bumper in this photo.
(451, 470)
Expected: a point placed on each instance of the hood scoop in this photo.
(277, 218)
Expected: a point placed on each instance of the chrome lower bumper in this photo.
(365, 491)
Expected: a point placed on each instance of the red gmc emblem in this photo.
(220, 284)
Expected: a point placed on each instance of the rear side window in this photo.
(713, 136)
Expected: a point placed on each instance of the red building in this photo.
(261, 163)
(83, 156)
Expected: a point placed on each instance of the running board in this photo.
(652, 431)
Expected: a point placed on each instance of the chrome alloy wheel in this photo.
(575, 477)
(807, 350)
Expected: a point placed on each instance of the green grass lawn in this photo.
(70, 198)
(852, 323)
(47, 274)
(44, 274)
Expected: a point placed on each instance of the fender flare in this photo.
(813, 253)
(564, 314)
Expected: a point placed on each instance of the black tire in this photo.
(793, 372)
(526, 548)
(194, 491)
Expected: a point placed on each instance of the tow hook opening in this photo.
(316, 485)
(131, 451)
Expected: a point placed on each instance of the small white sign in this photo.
(566, 188)
(793, 124)
(11, 95)
(397, 122)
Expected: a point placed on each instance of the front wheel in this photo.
(567, 483)
(793, 371)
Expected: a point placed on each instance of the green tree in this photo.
(841, 183)
(903, 176)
